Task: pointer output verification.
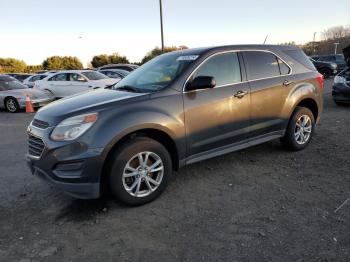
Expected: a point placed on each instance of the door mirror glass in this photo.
(201, 82)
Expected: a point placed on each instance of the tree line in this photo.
(12, 65)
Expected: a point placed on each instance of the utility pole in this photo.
(313, 43)
(161, 24)
(335, 48)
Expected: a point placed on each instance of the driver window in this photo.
(77, 77)
(223, 67)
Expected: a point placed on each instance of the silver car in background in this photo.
(13, 95)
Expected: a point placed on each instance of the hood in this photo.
(32, 93)
(346, 52)
(82, 103)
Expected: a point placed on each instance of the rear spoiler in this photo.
(346, 52)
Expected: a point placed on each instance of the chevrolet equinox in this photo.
(178, 109)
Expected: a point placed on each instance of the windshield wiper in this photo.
(128, 88)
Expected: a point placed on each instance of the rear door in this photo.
(78, 84)
(214, 117)
(268, 77)
(59, 84)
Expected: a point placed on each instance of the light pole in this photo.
(335, 48)
(313, 44)
(161, 24)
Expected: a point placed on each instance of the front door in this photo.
(215, 118)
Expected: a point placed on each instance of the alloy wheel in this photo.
(303, 129)
(143, 174)
(11, 105)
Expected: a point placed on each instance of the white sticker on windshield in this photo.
(187, 58)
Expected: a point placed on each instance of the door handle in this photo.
(287, 83)
(240, 94)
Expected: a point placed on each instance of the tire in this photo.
(326, 73)
(291, 140)
(340, 103)
(125, 188)
(12, 105)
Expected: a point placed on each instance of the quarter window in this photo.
(223, 67)
(261, 65)
(284, 69)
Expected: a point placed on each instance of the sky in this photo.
(32, 30)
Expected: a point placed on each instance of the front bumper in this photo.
(36, 102)
(341, 93)
(70, 166)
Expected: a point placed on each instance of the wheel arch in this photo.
(311, 104)
(156, 134)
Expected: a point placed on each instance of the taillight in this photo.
(320, 80)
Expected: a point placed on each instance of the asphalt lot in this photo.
(259, 204)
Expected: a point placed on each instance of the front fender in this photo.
(151, 114)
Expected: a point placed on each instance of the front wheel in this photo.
(12, 105)
(140, 171)
(300, 129)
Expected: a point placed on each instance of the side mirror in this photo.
(201, 82)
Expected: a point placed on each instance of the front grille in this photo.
(40, 124)
(35, 146)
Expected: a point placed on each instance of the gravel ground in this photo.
(259, 204)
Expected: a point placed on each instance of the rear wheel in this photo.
(326, 73)
(300, 129)
(140, 171)
(12, 105)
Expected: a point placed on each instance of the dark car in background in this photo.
(126, 67)
(327, 69)
(338, 59)
(115, 73)
(341, 86)
(179, 108)
(19, 76)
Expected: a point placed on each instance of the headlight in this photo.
(339, 80)
(334, 66)
(73, 127)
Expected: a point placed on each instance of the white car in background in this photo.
(70, 82)
(30, 81)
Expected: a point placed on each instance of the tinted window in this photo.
(223, 67)
(59, 77)
(301, 58)
(261, 65)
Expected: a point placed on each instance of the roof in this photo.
(202, 50)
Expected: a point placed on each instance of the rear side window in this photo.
(223, 67)
(301, 58)
(261, 65)
(59, 77)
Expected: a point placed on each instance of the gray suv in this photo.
(178, 109)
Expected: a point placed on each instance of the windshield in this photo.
(94, 75)
(157, 73)
(15, 85)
